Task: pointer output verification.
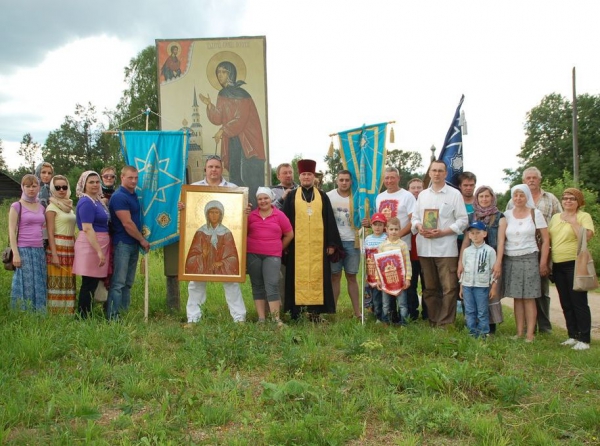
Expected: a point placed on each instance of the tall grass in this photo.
(66, 381)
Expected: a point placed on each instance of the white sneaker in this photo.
(581, 346)
(569, 341)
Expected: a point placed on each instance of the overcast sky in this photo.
(332, 65)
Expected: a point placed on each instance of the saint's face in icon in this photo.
(214, 216)
(174, 51)
(223, 76)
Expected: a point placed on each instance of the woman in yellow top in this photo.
(563, 229)
(60, 222)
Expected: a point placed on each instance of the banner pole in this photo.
(146, 265)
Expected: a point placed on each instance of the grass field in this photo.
(66, 381)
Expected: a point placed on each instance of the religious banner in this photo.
(363, 154)
(160, 158)
(452, 150)
(371, 270)
(391, 271)
(216, 89)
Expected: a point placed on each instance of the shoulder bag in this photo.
(7, 254)
(584, 277)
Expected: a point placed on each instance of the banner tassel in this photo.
(330, 152)
(392, 136)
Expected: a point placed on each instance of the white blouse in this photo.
(520, 233)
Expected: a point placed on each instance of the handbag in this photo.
(584, 277)
(101, 293)
(7, 254)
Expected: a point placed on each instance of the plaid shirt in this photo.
(547, 204)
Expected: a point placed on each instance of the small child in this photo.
(477, 283)
(395, 242)
(372, 242)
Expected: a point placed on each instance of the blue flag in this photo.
(452, 152)
(363, 154)
(160, 158)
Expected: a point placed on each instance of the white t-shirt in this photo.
(520, 233)
(341, 211)
(399, 204)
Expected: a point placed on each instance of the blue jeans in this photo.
(377, 300)
(401, 301)
(125, 259)
(476, 302)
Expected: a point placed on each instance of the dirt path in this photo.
(556, 315)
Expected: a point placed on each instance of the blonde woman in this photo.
(60, 222)
(25, 225)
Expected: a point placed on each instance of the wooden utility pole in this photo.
(575, 139)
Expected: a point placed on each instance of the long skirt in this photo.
(61, 280)
(28, 290)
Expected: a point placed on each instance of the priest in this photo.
(316, 242)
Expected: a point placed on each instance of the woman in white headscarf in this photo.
(93, 243)
(524, 261)
(60, 221)
(269, 234)
(213, 248)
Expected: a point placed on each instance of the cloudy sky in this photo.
(332, 65)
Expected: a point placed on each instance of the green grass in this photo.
(65, 381)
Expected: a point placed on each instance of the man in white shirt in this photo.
(439, 216)
(340, 202)
(197, 290)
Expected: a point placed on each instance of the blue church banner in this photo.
(452, 151)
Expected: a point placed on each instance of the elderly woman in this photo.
(92, 244)
(486, 211)
(523, 263)
(564, 229)
(269, 234)
(60, 222)
(25, 224)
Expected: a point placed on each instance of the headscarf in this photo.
(525, 189)
(481, 213)
(80, 189)
(208, 229)
(64, 204)
(44, 193)
(266, 191)
(24, 196)
(577, 194)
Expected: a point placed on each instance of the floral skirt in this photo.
(28, 291)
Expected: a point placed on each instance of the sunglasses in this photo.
(61, 187)
(108, 177)
(213, 157)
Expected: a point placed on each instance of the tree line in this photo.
(80, 143)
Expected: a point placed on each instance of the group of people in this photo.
(300, 240)
(48, 254)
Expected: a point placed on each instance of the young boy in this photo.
(372, 242)
(477, 283)
(395, 242)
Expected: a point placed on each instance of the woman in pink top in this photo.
(25, 224)
(269, 234)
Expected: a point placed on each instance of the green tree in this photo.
(549, 140)
(79, 143)
(3, 165)
(31, 151)
(407, 163)
(141, 93)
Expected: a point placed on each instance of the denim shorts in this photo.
(350, 263)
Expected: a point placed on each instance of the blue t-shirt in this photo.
(123, 200)
(89, 211)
